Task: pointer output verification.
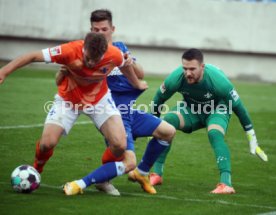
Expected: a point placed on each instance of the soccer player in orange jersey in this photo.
(135, 121)
(83, 90)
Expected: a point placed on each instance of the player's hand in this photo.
(2, 77)
(64, 70)
(128, 60)
(143, 85)
(255, 149)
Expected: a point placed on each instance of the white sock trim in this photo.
(81, 183)
(142, 172)
(163, 142)
(120, 168)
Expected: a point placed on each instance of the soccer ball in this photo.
(25, 179)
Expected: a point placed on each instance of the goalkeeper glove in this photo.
(254, 147)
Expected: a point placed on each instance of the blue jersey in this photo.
(137, 123)
(122, 91)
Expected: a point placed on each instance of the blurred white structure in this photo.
(239, 37)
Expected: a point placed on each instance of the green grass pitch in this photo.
(190, 172)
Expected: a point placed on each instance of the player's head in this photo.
(95, 45)
(101, 22)
(193, 65)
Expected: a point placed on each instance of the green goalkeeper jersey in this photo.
(214, 90)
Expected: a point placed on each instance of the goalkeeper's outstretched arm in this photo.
(246, 122)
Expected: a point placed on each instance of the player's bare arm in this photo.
(19, 62)
(138, 69)
(129, 72)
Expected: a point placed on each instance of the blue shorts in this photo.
(139, 124)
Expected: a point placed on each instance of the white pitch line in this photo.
(268, 213)
(176, 198)
(36, 125)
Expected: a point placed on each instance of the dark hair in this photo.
(193, 54)
(95, 44)
(101, 15)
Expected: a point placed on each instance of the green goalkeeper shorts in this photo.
(195, 121)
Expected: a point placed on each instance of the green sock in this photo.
(225, 177)
(222, 154)
(158, 166)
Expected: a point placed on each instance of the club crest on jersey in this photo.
(163, 88)
(55, 51)
(234, 95)
(104, 70)
(208, 95)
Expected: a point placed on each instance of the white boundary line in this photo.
(178, 199)
(221, 202)
(37, 125)
(268, 213)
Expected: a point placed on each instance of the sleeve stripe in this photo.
(123, 62)
(46, 55)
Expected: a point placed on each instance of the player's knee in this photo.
(117, 142)
(165, 131)
(215, 137)
(48, 142)
(117, 148)
(172, 119)
(170, 132)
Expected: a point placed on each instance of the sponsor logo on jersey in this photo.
(55, 51)
(234, 95)
(163, 88)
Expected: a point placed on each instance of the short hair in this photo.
(193, 54)
(101, 15)
(95, 44)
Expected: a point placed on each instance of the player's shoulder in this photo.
(177, 73)
(75, 44)
(217, 77)
(66, 52)
(214, 72)
(113, 54)
(72, 47)
(121, 45)
(175, 78)
(113, 51)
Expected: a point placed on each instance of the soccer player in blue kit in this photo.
(137, 123)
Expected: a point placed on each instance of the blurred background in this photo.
(237, 36)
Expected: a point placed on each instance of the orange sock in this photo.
(108, 156)
(41, 157)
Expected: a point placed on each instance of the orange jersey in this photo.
(83, 85)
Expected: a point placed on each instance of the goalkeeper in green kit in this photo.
(208, 100)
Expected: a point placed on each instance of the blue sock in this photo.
(154, 149)
(104, 173)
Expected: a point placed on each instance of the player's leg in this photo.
(175, 119)
(163, 135)
(181, 118)
(129, 160)
(114, 132)
(45, 146)
(59, 121)
(109, 122)
(216, 127)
